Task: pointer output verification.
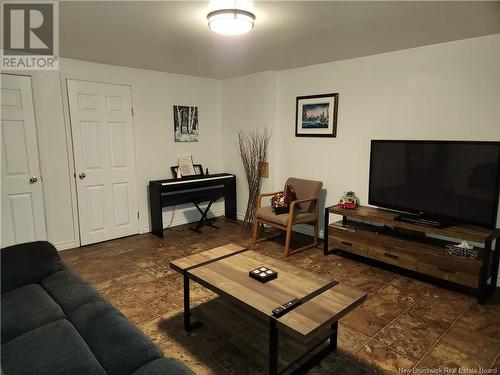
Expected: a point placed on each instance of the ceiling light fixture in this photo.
(230, 21)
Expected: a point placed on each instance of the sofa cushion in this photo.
(69, 290)
(266, 213)
(164, 366)
(53, 349)
(120, 347)
(26, 308)
(28, 263)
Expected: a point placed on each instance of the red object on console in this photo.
(349, 205)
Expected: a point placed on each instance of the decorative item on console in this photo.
(349, 200)
(463, 249)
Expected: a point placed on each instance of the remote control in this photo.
(283, 309)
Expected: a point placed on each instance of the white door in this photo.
(103, 145)
(23, 216)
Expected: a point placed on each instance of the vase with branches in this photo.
(253, 145)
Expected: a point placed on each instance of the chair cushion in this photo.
(69, 290)
(26, 308)
(305, 189)
(266, 213)
(52, 349)
(120, 347)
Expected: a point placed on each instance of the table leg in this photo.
(484, 291)
(187, 313)
(273, 347)
(325, 231)
(333, 337)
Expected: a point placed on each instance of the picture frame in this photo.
(316, 115)
(186, 123)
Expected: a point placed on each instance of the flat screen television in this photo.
(445, 182)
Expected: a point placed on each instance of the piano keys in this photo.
(190, 189)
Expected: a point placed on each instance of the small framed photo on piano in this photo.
(198, 170)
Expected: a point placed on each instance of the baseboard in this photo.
(186, 219)
(65, 245)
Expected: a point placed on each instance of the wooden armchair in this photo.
(304, 210)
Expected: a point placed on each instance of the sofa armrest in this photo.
(28, 263)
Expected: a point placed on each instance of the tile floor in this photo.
(405, 324)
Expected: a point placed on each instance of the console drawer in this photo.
(349, 245)
(393, 255)
(461, 271)
(448, 273)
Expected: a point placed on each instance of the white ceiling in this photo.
(174, 37)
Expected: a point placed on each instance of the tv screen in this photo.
(442, 180)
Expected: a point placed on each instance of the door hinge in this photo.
(138, 214)
(132, 110)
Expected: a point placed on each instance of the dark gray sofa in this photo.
(53, 322)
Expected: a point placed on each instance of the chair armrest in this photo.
(297, 202)
(28, 263)
(260, 196)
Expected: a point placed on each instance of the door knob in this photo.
(82, 175)
(33, 179)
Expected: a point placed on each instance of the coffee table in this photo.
(242, 312)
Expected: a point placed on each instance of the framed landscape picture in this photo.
(316, 115)
(186, 127)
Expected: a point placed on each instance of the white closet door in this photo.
(23, 217)
(103, 145)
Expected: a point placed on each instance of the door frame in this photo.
(70, 150)
(41, 167)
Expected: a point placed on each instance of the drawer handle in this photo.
(391, 256)
(445, 270)
(346, 243)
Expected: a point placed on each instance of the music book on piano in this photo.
(185, 163)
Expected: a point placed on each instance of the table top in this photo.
(225, 269)
(383, 216)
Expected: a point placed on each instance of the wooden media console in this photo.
(417, 249)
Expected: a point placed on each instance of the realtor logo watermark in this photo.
(30, 36)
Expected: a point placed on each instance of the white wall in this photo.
(448, 91)
(445, 91)
(248, 103)
(154, 94)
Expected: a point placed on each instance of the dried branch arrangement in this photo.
(253, 150)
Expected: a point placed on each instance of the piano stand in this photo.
(204, 220)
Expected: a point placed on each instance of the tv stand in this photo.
(415, 249)
(420, 220)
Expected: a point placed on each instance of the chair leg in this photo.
(255, 228)
(288, 238)
(316, 227)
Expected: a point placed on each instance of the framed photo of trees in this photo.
(186, 126)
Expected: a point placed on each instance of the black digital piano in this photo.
(191, 189)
